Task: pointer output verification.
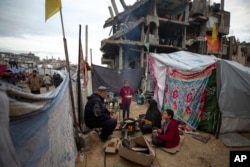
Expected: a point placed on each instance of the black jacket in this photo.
(153, 114)
(155, 117)
(95, 111)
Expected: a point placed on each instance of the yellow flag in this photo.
(214, 33)
(51, 7)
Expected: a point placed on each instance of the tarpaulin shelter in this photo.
(205, 92)
(113, 79)
(37, 130)
(233, 89)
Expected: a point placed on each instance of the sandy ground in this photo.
(23, 85)
(192, 153)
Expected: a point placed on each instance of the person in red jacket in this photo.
(168, 136)
(126, 93)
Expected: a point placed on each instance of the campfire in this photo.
(128, 126)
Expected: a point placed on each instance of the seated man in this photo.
(168, 136)
(97, 115)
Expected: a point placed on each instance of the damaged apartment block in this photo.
(170, 25)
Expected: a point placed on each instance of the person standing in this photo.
(47, 81)
(57, 79)
(168, 136)
(34, 82)
(126, 93)
(96, 115)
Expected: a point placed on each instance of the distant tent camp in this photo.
(205, 92)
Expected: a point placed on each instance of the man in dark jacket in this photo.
(97, 115)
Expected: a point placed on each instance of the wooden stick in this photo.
(68, 69)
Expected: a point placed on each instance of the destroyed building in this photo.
(237, 51)
(169, 25)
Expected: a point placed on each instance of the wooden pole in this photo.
(91, 57)
(86, 43)
(68, 69)
(91, 70)
(86, 53)
(79, 94)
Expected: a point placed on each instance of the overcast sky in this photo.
(23, 28)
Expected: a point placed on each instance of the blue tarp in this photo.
(29, 125)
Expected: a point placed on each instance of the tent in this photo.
(37, 130)
(233, 96)
(205, 92)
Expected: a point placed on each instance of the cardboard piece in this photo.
(137, 156)
(174, 149)
(111, 145)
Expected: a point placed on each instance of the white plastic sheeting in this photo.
(186, 61)
(233, 96)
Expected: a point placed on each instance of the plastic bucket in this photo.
(140, 99)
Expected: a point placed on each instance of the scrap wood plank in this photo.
(201, 138)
